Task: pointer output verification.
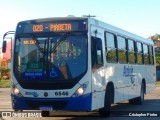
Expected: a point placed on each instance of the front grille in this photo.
(47, 86)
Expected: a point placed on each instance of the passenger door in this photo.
(97, 66)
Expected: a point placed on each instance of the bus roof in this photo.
(119, 31)
(56, 18)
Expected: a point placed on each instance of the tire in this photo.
(45, 113)
(139, 100)
(16, 110)
(105, 112)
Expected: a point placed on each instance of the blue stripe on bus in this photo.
(81, 103)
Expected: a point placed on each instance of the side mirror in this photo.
(4, 45)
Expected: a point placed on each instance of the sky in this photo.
(140, 17)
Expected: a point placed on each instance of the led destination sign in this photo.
(52, 26)
(61, 27)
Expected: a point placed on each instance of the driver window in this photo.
(96, 52)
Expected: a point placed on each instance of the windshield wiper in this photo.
(37, 44)
(59, 41)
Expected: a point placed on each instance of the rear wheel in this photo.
(139, 100)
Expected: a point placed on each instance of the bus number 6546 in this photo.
(61, 93)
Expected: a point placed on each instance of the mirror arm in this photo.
(4, 42)
(7, 33)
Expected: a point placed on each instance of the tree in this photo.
(4, 70)
(156, 40)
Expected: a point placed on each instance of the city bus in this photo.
(78, 64)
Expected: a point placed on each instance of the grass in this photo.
(5, 83)
(158, 83)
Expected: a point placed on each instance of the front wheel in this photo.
(45, 113)
(16, 110)
(105, 111)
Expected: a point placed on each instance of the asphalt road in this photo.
(150, 108)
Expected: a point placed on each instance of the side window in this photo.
(96, 51)
(139, 53)
(145, 54)
(151, 56)
(121, 49)
(110, 47)
(99, 53)
(131, 52)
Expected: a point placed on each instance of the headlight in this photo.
(80, 91)
(16, 91)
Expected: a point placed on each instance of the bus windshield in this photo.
(50, 57)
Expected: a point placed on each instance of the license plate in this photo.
(46, 108)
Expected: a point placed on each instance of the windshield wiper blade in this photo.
(59, 41)
(37, 44)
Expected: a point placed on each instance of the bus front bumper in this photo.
(81, 103)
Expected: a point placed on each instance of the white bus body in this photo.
(115, 80)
